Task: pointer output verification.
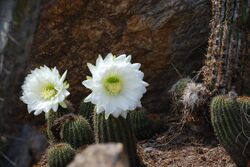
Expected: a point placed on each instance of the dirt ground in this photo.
(186, 154)
(169, 149)
(183, 151)
(178, 148)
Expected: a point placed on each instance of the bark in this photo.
(17, 26)
(228, 45)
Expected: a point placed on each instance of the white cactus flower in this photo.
(44, 89)
(117, 85)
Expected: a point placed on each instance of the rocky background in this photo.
(168, 37)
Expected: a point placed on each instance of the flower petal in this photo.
(116, 97)
(91, 68)
(63, 76)
(44, 89)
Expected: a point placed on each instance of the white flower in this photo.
(117, 85)
(44, 89)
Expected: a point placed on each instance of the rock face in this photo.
(27, 148)
(101, 155)
(17, 26)
(162, 35)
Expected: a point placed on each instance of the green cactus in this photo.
(176, 93)
(231, 127)
(60, 155)
(86, 110)
(77, 132)
(179, 87)
(224, 61)
(117, 130)
(51, 117)
(141, 124)
(244, 102)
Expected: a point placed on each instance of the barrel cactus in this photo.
(77, 132)
(140, 123)
(117, 130)
(51, 117)
(244, 102)
(60, 155)
(86, 110)
(231, 126)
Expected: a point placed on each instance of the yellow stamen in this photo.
(48, 92)
(113, 85)
(88, 77)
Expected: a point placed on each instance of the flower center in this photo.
(48, 92)
(113, 85)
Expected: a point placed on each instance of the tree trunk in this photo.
(228, 45)
(18, 20)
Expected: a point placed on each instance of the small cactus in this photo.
(231, 127)
(60, 155)
(77, 132)
(176, 93)
(179, 87)
(194, 96)
(117, 130)
(51, 117)
(141, 124)
(86, 110)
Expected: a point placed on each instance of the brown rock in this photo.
(17, 27)
(27, 148)
(101, 155)
(158, 33)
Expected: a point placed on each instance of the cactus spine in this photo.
(87, 110)
(244, 102)
(140, 123)
(60, 155)
(178, 88)
(228, 44)
(117, 130)
(51, 117)
(231, 127)
(77, 132)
